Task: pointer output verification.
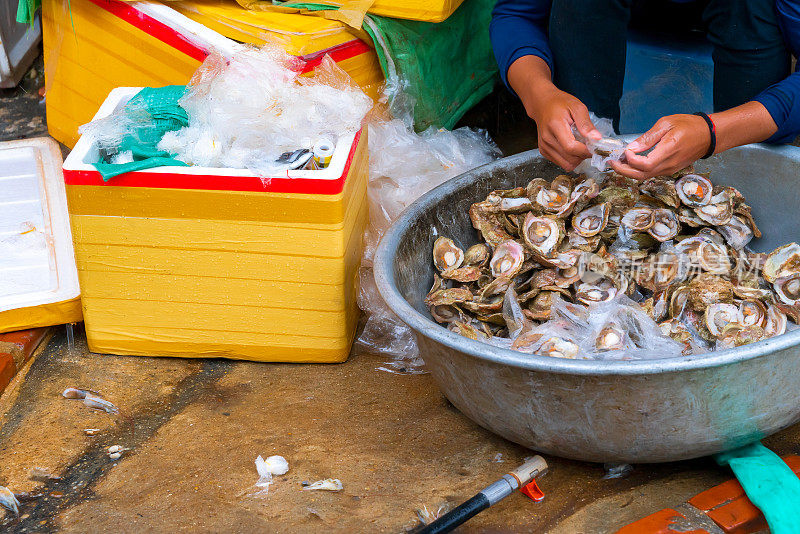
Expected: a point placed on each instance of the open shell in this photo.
(638, 219)
(591, 221)
(665, 225)
(446, 255)
(507, 259)
(542, 234)
(694, 190)
(781, 262)
(719, 315)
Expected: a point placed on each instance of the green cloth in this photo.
(26, 11)
(148, 116)
(447, 67)
(769, 484)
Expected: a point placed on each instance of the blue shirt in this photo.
(518, 28)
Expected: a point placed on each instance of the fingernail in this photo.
(594, 134)
(633, 146)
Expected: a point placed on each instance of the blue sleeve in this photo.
(782, 100)
(519, 28)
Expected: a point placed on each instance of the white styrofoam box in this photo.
(18, 44)
(37, 261)
(86, 153)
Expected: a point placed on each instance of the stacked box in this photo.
(191, 261)
(93, 46)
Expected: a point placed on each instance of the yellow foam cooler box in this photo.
(93, 46)
(201, 262)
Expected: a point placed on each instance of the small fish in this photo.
(74, 393)
(91, 431)
(93, 401)
(329, 484)
(42, 475)
(8, 500)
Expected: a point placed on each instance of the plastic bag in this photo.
(403, 166)
(604, 150)
(248, 110)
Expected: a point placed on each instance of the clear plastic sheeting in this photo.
(604, 150)
(248, 110)
(403, 166)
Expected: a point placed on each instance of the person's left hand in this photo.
(679, 140)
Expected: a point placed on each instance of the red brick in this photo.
(739, 517)
(718, 495)
(7, 370)
(22, 344)
(793, 461)
(658, 523)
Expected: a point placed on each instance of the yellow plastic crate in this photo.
(187, 261)
(103, 44)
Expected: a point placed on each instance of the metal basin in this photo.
(601, 411)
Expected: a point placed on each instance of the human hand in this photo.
(679, 140)
(554, 111)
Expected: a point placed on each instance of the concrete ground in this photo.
(193, 428)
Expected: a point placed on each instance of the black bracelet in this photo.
(712, 130)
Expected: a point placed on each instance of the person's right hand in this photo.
(554, 111)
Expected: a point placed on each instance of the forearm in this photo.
(530, 78)
(748, 123)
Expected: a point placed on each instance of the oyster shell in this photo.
(448, 297)
(736, 335)
(719, 315)
(719, 211)
(542, 234)
(477, 255)
(507, 259)
(591, 221)
(527, 342)
(558, 347)
(488, 224)
(466, 330)
(469, 273)
(611, 337)
(752, 312)
(593, 293)
(781, 262)
(663, 190)
(788, 288)
(706, 289)
(775, 323)
(694, 190)
(737, 232)
(638, 219)
(713, 258)
(688, 217)
(446, 255)
(665, 225)
(539, 308)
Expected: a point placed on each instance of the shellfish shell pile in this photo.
(672, 247)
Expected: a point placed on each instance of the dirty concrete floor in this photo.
(195, 427)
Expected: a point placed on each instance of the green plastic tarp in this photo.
(445, 67)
